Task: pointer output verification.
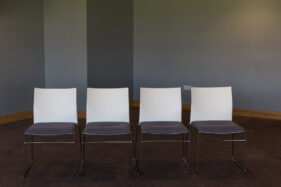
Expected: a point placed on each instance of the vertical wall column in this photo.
(21, 53)
(210, 43)
(65, 27)
(110, 43)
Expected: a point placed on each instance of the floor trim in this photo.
(135, 103)
(7, 118)
(236, 111)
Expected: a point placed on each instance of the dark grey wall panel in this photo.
(66, 45)
(110, 43)
(21, 53)
(211, 43)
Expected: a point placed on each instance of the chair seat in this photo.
(50, 129)
(163, 127)
(107, 128)
(217, 127)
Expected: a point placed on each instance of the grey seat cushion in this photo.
(50, 129)
(107, 128)
(163, 127)
(217, 127)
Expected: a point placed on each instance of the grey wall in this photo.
(66, 45)
(110, 43)
(21, 53)
(155, 43)
(211, 43)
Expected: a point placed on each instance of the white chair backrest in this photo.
(211, 104)
(160, 104)
(55, 105)
(108, 105)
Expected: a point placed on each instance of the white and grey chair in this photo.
(55, 114)
(107, 115)
(161, 114)
(211, 113)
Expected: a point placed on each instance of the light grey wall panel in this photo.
(110, 43)
(21, 53)
(211, 43)
(66, 45)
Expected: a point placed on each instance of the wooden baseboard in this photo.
(7, 118)
(135, 103)
(82, 114)
(256, 113)
(236, 111)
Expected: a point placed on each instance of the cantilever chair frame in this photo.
(162, 105)
(96, 113)
(243, 165)
(46, 111)
(203, 101)
(131, 141)
(185, 143)
(32, 143)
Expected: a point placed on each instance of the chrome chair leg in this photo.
(189, 150)
(243, 165)
(135, 169)
(81, 171)
(245, 153)
(138, 166)
(140, 154)
(186, 155)
(232, 146)
(194, 161)
(197, 137)
(80, 140)
(74, 152)
(183, 146)
(28, 167)
(31, 146)
(139, 150)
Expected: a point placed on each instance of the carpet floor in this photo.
(110, 164)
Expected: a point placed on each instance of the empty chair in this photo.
(55, 114)
(211, 112)
(107, 114)
(161, 114)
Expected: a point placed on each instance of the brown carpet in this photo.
(110, 165)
